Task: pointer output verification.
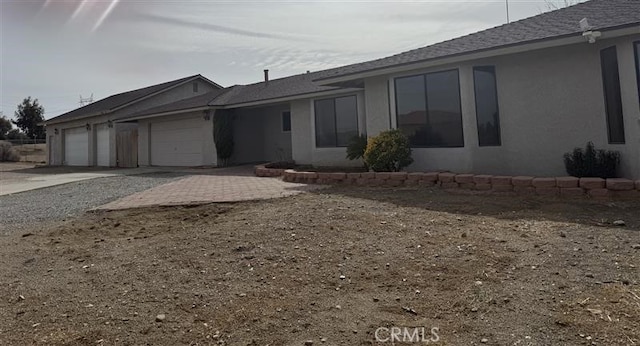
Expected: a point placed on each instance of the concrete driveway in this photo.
(193, 186)
(21, 177)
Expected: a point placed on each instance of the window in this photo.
(336, 121)
(487, 114)
(612, 95)
(428, 109)
(195, 87)
(286, 121)
(636, 49)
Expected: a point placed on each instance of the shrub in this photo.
(223, 135)
(592, 162)
(356, 147)
(388, 152)
(8, 153)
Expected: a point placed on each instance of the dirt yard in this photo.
(329, 268)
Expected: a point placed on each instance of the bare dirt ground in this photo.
(329, 267)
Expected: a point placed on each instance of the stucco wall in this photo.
(550, 102)
(178, 93)
(303, 132)
(209, 157)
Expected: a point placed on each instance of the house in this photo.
(508, 100)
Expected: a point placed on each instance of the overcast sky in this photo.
(57, 50)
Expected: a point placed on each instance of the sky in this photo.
(58, 50)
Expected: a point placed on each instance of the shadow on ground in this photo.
(574, 210)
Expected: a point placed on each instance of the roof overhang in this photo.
(479, 54)
(272, 101)
(164, 114)
(292, 98)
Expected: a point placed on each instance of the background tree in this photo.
(5, 127)
(28, 115)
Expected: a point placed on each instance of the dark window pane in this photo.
(411, 108)
(487, 115)
(346, 119)
(286, 121)
(612, 95)
(325, 123)
(636, 46)
(444, 117)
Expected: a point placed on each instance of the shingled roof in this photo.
(297, 85)
(601, 14)
(114, 101)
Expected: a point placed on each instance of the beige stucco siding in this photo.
(550, 101)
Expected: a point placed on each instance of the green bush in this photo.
(388, 152)
(356, 147)
(8, 153)
(592, 162)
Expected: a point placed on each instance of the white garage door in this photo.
(76, 146)
(177, 143)
(102, 145)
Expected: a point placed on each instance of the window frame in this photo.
(475, 98)
(606, 100)
(426, 98)
(282, 127)
(335, 120)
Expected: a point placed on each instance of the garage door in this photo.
(177, 143)
(76, 146)
(102, 145)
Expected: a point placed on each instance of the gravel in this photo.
(58, 202)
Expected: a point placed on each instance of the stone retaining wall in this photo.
(523, 185)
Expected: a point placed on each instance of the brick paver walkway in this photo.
(225, 186)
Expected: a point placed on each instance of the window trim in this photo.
(426, 99)
(282, 122)
(606, 101)
(475, 100)
(636, 55)
(335, 120)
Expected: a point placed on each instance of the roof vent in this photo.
(266, 76)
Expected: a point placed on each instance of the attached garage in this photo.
(102, 145)
(177, 143)
(76, 146)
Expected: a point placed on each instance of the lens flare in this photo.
(78, 9)
(105, 14)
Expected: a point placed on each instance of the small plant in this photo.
(356, 148)
(223, 135)
(592, 162)
(388, 152)
(8, 153)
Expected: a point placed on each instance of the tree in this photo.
(16, 134)
(5, 127)
(28, 116)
